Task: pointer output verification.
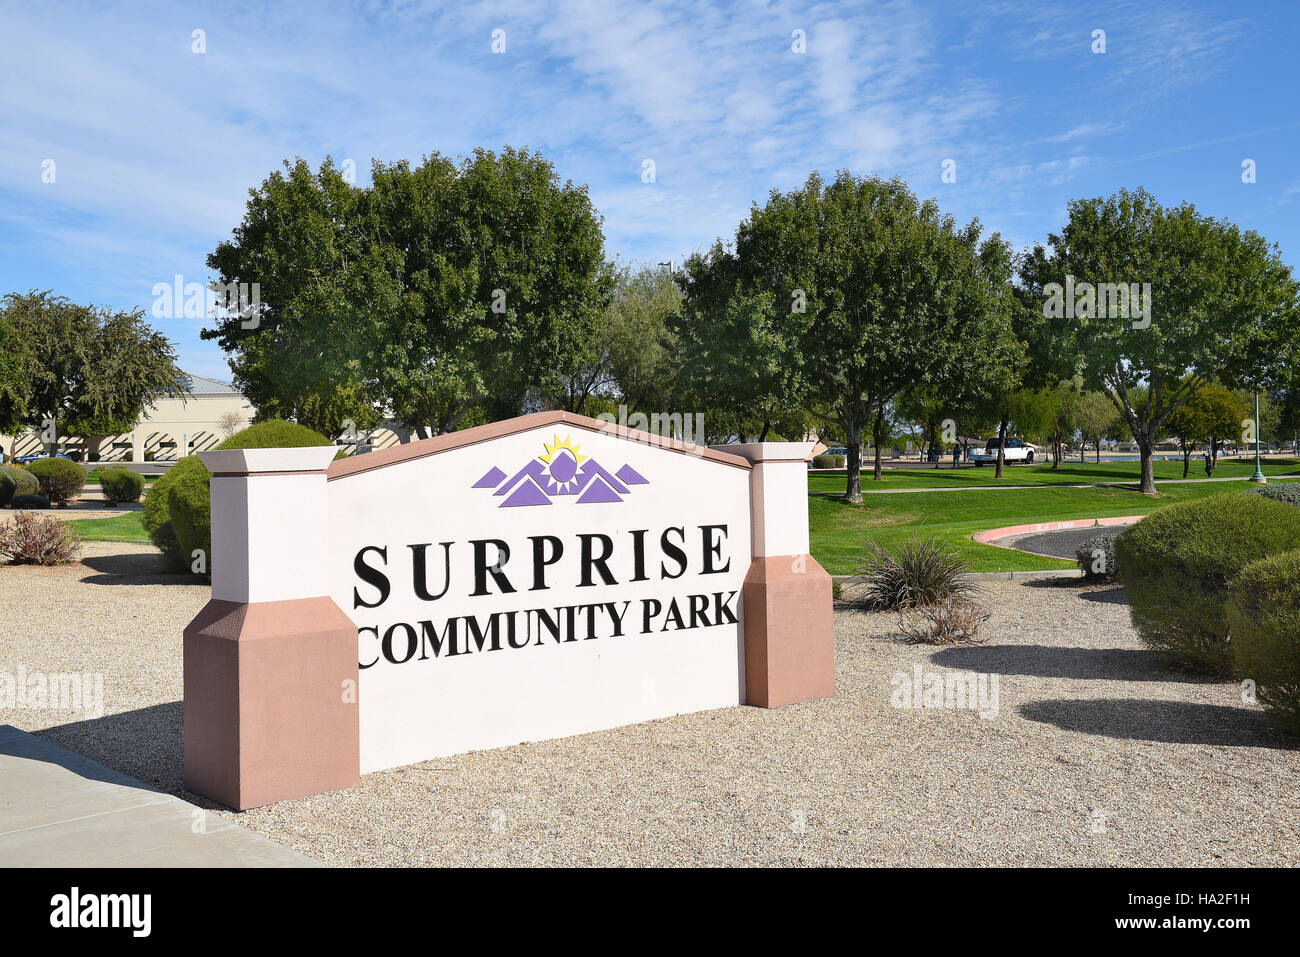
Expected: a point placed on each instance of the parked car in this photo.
(29, 459)
(1015, 451)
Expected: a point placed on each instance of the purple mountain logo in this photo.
(561, 471)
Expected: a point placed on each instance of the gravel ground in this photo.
(1098, 753)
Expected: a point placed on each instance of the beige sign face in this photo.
(536, 585)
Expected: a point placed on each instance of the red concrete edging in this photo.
(993, 536)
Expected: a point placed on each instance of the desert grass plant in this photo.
(954, 621)
(915, 571)
(31, 539)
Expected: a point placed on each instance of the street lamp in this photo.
(1259, 472)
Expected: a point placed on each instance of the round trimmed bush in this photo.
(1288, 492)
(29, 501)
(190, 507)
(1176, 564)
(178, 509)
(16, 481)
(1096, 558)
(1264, 620)
(275, 434)
(60, 479)
(828, 461)
(121, 485)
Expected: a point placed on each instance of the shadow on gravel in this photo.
(146, 743)
(136, 568)
(1044, 661)
(1166, 722)
(1109, 595)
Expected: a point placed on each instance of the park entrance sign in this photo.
(530, 579)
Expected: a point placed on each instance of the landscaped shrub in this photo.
(29, 501)
(60, 479)
(914, 572)
(16, 481)
(826, 461)
(1264, 621)
(1288, 492)
(954, 620)
(177, 510)
(191, 512)
(275, 434)
(1096, 558)
(1176, 564)
(121, 485)
(29, 539)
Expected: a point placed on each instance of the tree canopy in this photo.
(439, 291)
(87, 371)
(1168, 299)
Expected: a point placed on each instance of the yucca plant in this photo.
(916, 571)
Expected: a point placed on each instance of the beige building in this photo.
(169, 430)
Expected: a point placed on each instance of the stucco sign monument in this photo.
(529, 579)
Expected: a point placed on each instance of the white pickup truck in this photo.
(1015, 451)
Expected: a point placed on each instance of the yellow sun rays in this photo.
(555, 445)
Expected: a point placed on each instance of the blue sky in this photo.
(155, 146)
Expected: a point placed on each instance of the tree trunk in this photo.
(1148, 486)
(853, 462)
(877, 435)
(1187, 458)
(1002, 443)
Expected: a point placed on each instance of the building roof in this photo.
(202, 385)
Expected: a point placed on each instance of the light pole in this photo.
(1259, 472)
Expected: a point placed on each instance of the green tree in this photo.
(1212, 302)
(1094, 415)
(1207, 418)
(641, 347)
(89, 371)
(15, 378)
(439, 294)
(740, 351)
(866, 291)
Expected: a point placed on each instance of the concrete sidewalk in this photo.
(59, 809)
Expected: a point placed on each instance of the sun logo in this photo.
(562, 461)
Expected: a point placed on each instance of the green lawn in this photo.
(1040, 474)
(93, 478)
(120, 528)
(839, 531)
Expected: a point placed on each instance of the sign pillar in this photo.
(789, 627)
(271, 661)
